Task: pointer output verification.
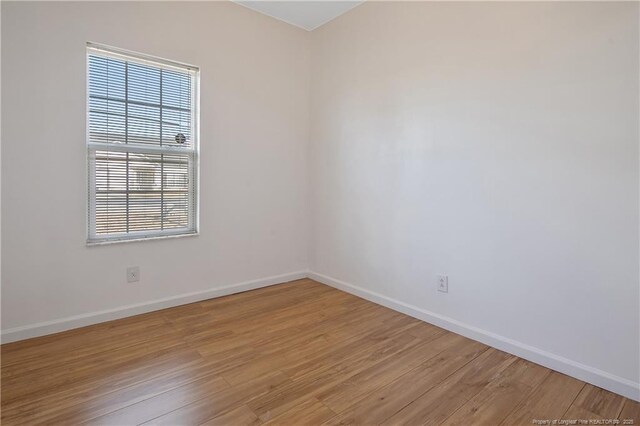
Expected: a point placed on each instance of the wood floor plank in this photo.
(72, 346)
(426, 331)
(306, 360)
(274, 403)
(600, 402)
(211, 405)
(310, 412)
(388, 400)
(241, 416)
(298, 353)
(437, 404)
(493, 403)
(89, 399)
(578, 414)
(60, 343)
(344, 394)
(549, 401)
(163, 403)
(103, 365)
(630, 412)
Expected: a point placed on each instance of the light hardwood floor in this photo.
(292, 354)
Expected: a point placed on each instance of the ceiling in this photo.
(306, 14)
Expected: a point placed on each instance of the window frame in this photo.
(93, 239)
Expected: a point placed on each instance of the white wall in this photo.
(493, 142)
(254, 132)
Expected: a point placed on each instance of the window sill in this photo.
(139, 239)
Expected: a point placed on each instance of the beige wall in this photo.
(497, 143)
(254, 125)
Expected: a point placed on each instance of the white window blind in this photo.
(142, 147)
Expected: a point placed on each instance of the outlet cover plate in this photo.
(133, 274)
(442, 281)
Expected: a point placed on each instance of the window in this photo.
(142, 146)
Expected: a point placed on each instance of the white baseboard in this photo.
(566, 366)
(56, 326)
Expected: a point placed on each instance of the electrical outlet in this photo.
(133, 274)
(443, 283)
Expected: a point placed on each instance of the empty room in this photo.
(320, 213)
